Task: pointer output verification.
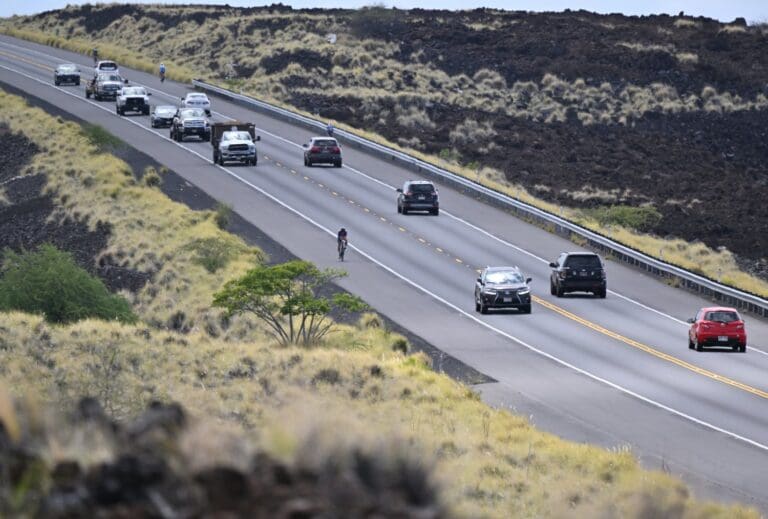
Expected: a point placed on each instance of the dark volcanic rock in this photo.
(150, 474)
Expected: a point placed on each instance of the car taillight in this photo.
(314, 149)
(408, 193)
(705, 326)
(336, 149)
(739, 326)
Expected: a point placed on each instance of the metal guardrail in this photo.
(677, 276)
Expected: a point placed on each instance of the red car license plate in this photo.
(723, 338)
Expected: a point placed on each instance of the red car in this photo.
(717, 326)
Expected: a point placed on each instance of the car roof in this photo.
(496, 269)
(67, 65)
(582, 253)
(196, 94)
(420, 182)
(719, 309)
(321, 138)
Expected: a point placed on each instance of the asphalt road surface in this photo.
(615, 372)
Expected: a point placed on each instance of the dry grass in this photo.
(150, 233)
(490, 463)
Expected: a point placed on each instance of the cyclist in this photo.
(162, 72)
(341, 243)
(329, 129)
(95, 53)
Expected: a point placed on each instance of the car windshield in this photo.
(192, 112)
(422, 188)
(585, 261)
(503, 276)
(325, 142)
(110, 77)
(134, 91)
(236, 136)
(722, 316)
(67, 68)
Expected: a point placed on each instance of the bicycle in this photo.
(342, 247)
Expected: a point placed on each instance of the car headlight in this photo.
(489, 291)
(523, 291)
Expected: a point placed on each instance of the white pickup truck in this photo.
(233, 140)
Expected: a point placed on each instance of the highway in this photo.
(615, 372)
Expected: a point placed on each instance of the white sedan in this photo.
(197, 100)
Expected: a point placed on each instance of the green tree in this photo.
(49, 282)
(288, 298)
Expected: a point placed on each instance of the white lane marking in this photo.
(422, 288)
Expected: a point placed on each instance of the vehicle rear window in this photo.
(722, 316)
(422, 188)
(325, 142)
(579, 262)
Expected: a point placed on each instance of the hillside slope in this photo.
(581, 110)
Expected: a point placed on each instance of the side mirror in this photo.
(528, 280)
(400, 190)
(690, 320)
(480, 280)
(258, 138)
(181, 98)
(553, 265)
(149, 93)
(305, 145)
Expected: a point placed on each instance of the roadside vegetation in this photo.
(369, 71)
(352, 388)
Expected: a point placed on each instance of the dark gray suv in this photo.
(322, 150)
(418, 195)
(578, 272)
(502, 287)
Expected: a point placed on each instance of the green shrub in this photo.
(223, 215)
(641, 218)
(213, 253)
(100, 137)
(49, 282)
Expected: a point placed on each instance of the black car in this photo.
(502, 287)
(418, 195)
(322, 150)
(66, 73)
(578, 272)
(162, 116)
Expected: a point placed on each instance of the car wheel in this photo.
(435, 212)
(698, 345)
(526, 309)
(690, 343)
(559, 291)
(404, 210)
(145, 111)
(399, 209)
(602, 293)
(736, 348)
(483, 308)
(57, 83)
(743, 348)
(87, 94)
(337, 164)
(77, 83)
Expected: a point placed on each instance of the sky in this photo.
(723, 10)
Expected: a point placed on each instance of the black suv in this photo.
(322, 150)
(418, 195)
(578, 272)
(502, 287)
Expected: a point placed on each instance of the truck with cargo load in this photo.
(234, 140)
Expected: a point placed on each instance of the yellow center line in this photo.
(458, 260)
(367, 210)
(401, 229)
(293, 171)
(422, 240)
(438, 249)
(652, 351)
(25, 60)
(382, 219)
(306, 178)
(278, 165)
(320, 185)
(334, 193)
